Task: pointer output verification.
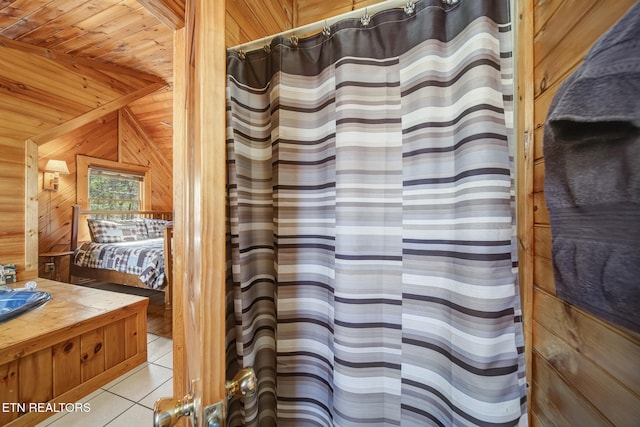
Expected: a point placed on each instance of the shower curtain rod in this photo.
(319, 25)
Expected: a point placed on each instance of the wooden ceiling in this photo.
(64, 62)
(63, 59)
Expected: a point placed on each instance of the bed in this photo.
(130, 248)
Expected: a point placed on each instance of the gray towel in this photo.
(592, 178)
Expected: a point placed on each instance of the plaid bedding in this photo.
(143, 258)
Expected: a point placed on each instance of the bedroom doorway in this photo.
(55, 211)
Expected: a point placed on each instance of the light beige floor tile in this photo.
(165, 390)
(102, 409)
(166, 360)
(135, 416)
(143, 382)
(54, 418)
(158, 348)
(91, 395)
(51, 420)
(124, 376)
(152, 337)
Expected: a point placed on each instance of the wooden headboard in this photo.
(80, 231)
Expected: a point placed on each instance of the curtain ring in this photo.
(326, 31)
(267, 48)
(366, 19)
(241, 54)
(294, 40)
(409, 8)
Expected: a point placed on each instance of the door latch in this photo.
(243, 384)
(167, 411)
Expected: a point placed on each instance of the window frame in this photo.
(83, 163)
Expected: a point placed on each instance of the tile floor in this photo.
(128, 400)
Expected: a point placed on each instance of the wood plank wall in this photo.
(97, 139)
(309, 11)
(249, 20)
(12, 201)
(582, 370)
(115, 137)
(136, 147)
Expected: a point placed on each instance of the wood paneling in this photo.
(583, 371)
(585, 375)
(613, 350)
(310, 11)
(524, 181)
(541, 106)
(169, 12)
(115, 343)
(154, 113)
(540, 212)
(542, 241)
(94, 114)
(31, 209)
(66, 369)
(538, 176)
(135, 35)
(248, 20)
(131, 332)
(35, 380)
(90, 29)
(8, 389)
(550, 387)
(91, 354)
(12, 201)
(137, 148)
(96, 139)
(180, 197)
(543, 274)
(51, 92)
(572, 42)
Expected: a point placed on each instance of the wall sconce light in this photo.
(52, 174)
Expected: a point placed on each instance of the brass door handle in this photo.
(167, 411)
(243, 384)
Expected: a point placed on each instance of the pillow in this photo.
(141, 228)
(104, 231)
(155, 227)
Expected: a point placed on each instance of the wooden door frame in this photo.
(179, 130)
(200, 200)
(523, 19)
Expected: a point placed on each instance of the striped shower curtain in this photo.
(372, 278)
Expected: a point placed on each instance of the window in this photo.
(114, 190)
(117, 186)
(108, 185)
